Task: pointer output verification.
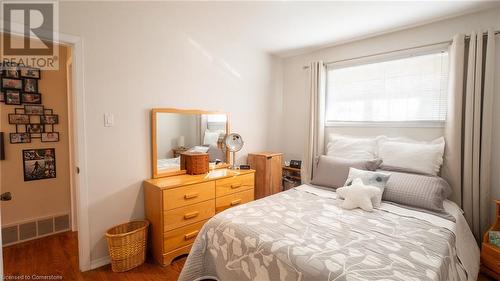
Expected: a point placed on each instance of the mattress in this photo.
(304, 234)
(169, 163)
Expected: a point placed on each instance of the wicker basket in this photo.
(127, 245)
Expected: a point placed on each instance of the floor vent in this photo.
(45, 226)
(61, 223)
(9, 235)
(25, 231)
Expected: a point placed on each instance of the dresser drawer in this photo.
(187, 195)
(234, 199)
(181, 237)
(234, 184)
(183, 216)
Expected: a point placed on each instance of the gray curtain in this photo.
(469, 127)
(315, 125)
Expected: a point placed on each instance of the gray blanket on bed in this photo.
(296, 235)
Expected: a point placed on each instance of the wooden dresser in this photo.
(268, 172)
(178, 206)
(490, 254)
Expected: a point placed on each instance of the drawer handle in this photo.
(191, 235)
(191, 195)
(235, 202)
(233, 186)
(191, 215)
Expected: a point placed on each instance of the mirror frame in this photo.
(154, 147)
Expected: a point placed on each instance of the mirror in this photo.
(175, 131)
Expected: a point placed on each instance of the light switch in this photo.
(109, 120)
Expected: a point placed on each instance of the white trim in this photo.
(391, 55)
(387, 124)
(81, 153)
(100, 262)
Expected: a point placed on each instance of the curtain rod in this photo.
(399, 50)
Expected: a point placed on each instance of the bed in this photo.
(304, 234)
(169, 163)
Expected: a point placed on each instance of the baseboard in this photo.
(100, 262)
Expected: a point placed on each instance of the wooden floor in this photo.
(58, 255)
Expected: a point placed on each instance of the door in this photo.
(3, 197)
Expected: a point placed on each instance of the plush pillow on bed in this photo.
(333, 171)
(351, 147)
(211, 137)
(421, 191)
(411, 156)
(358, 195)
(377, 179)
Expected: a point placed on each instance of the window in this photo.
(403, 90)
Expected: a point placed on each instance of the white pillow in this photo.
(211, 138)
(422, 157)
(199, 148)
(358, 195)
(352, 147)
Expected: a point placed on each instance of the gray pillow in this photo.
(377, 179)
(333, 171)
(421, 191)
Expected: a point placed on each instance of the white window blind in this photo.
(410, 89)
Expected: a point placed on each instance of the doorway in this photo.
(39, 169)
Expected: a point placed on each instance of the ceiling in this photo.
(287, 28)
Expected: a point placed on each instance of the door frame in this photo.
(79, 145)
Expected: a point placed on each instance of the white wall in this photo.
(295, 80)
(151, 54)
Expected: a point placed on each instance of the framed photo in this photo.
(11, 72)
(12, 97)
(12, 83)
(49, 119)
(34, 128)
(20, 138)
(50, 137)
(33, 73)
(30, 85)
(2, 97)
(39, 164)
(33, 109)
(17, 119)
(31, 98)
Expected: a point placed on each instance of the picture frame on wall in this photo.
(34, 128)
(27, 72)
(39, 164)
(49, 119)
(30, 85)
(11, 72)
(12, 84)
(2, 97)
(13, 97)
(33, 109)
(50, 137)
(20, 138)
(19, 119)
(32, 98)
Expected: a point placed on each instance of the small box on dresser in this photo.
(178, 206)
(195, 163)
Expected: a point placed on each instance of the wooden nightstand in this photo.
(291, 177)
(177, 151)
(490, 254)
